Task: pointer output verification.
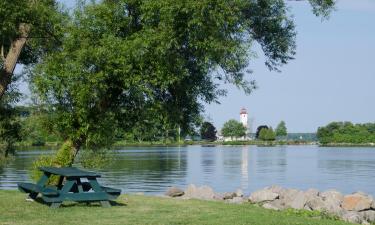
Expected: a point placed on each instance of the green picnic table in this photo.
(70, 187)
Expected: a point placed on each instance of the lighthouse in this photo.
(243, 117)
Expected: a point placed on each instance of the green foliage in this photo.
(267, 134)
(44, 18)
(45, 160)
(9, 122)
(233, 128)
(36, 127)
(281, 130)
(257, 133)
(63, 157)
(121, 60)
(346, 132)
(208, 131)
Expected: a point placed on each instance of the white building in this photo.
(244, 118)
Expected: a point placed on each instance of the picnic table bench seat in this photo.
(34, 188)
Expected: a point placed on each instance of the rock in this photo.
(357, 202)
(332, 195)
(288, 197)
(368, 215)
(219, 196)
(174, 192)
(236, 200)
(332, 202)
(311, 193)
(239, 193)
(315, 204)
(352, 217)
(263, 195)
(275, 205)
(299, 201)
(204, 192)
(229, 195)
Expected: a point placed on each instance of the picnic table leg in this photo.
(42, 181)
(105, 204)
(55, 205)
(97, 188)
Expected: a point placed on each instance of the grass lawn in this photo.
(147, 210)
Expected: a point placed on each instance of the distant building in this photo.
(244, 118)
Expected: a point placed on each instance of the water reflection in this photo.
(153, 170)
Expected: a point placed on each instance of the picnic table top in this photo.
(69, 172)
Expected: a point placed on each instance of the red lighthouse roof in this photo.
(243, 111)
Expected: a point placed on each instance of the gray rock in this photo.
(229, 195)
(288, 197)
(239, 193)
(236, 200)
(332, 202)
(263, 195)
(315, 204)
(174, 192)
(352, 217)
(299, 201)
(357, 202)
(368, 215)
(332, 195)
(219, 196)
(203, 192)
(275, 205)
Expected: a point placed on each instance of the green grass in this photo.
(148, 210)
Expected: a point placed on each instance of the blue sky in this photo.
(331, 79)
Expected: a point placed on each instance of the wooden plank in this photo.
(34, 188)
(69, 172)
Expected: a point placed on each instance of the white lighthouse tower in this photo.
(243, 117)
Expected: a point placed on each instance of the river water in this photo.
(224, 168)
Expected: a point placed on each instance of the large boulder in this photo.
(174, 192)
(291, 198)
(264, 195)
(357, 202)
(203, 192)
(316, 204)
(332, 202)
(368, 215)
(229, 195)
(239, 193)
(236, 200)
(275, 205)
(352, 217)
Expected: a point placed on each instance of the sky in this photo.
(331, 79)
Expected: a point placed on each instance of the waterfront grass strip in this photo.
(148, 210)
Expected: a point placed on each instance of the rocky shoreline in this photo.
(358, 207)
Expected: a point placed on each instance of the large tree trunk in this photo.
(10, 60)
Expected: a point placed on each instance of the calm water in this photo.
(153, 170)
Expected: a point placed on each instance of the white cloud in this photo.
(357, 5)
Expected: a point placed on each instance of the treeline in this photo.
(347, 132)
(36, 130)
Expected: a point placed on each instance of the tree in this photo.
(208, 131)
(281, 130)
(267, 134)
(233, 128)
(9, 123)
(120, 57)
(259, 129)
(28, 28)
